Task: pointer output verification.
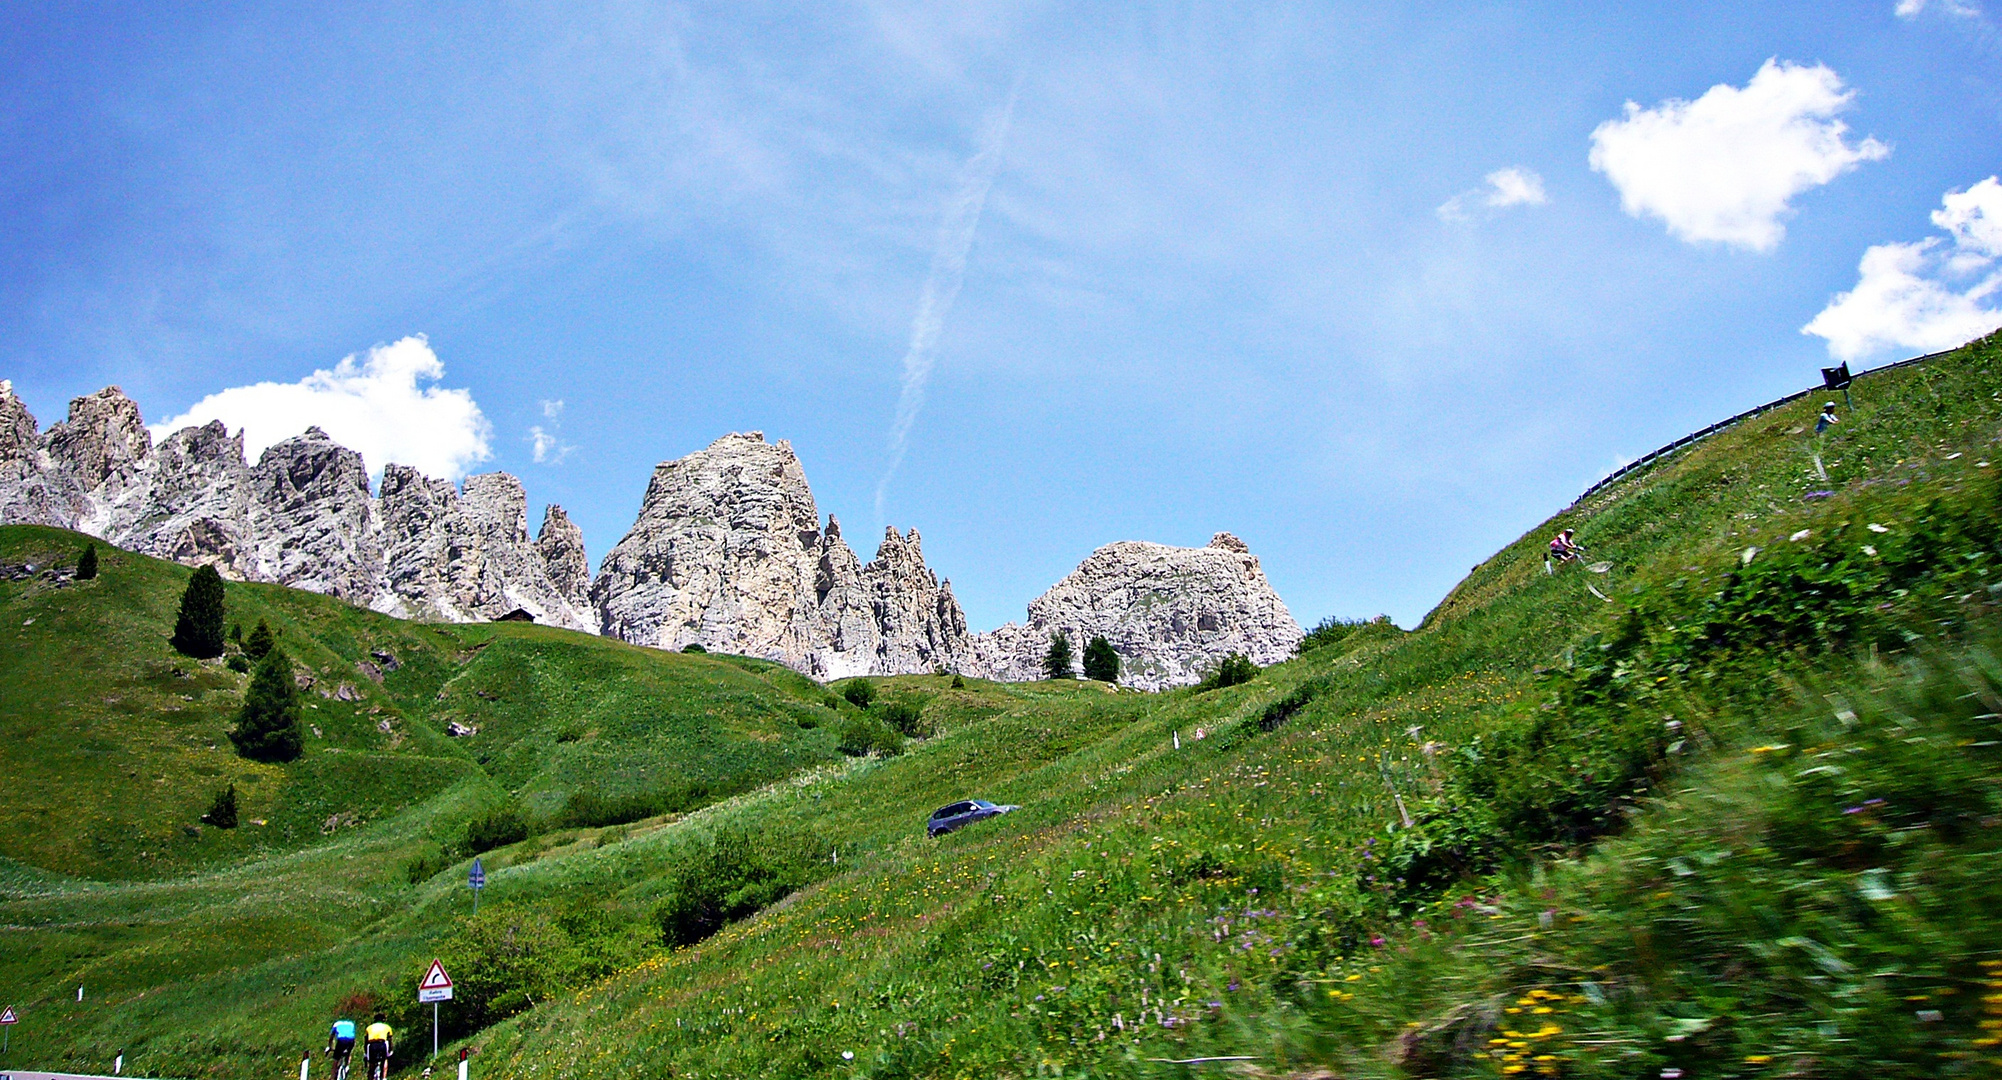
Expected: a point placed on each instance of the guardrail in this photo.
(1693, 437)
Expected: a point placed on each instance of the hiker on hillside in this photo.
(1564, 549)
(1827, 419)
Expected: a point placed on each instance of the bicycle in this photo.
(378, 1068)
(341, 1063)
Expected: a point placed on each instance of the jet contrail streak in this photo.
(948, 269)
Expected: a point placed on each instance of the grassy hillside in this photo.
(1722, 801)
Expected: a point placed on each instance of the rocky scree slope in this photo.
(302, 515)
(1169, 612)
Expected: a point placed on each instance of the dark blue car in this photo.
(961, 814)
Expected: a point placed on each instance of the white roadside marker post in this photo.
(306, 1065)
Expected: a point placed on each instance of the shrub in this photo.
(496, 828)
(260, 642)
(267, 727)
(1331, 631)
(198, 629)
(693, 647)
(426, 865)
(1101, 662)
(1057, 662)
(222, 812)
(864, 734)
(503, 960)
(905, 714)
(1232, 670)
(1277, 713)
(238, 663)
(958, 683)
(859, 692)
(86, 563)
(733, 876)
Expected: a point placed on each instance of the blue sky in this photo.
(1376, 289)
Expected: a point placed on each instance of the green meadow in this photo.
(1723, 799)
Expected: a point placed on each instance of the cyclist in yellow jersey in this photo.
(379, 1047)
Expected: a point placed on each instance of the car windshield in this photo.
(982, 804)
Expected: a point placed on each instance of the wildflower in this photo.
(1876, 528)
(1757, 1059)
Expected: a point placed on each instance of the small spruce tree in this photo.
(259, 644)
(267, 727)
(1057, 662)
(1100, 661)
(222, 812)
(86, 563)
(198, 631)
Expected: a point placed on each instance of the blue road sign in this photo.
(477, 876)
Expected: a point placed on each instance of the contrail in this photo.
(948, 269)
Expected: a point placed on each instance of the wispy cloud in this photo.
(1912, 9)
(960, 221)
(547, 443)
(1513, 186)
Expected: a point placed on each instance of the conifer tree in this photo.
(198, 631)
(1057, 662)
(260, 642)
(267, 727)
(222, 812)
(1100, 661)
(86, 563)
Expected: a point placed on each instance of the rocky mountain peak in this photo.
(303, 515)
(1170, 612)
(18, 433)
(728, 553)
(103, 441)
(561, 545)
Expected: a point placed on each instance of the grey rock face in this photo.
(1170, 612)
(561, 545)
(303, 515)
(464, 556)
(728, 553)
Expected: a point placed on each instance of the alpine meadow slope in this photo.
(1721, 800)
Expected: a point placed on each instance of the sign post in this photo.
(1838, 378)
(7, 1022)
(435, 987)
(476, 879)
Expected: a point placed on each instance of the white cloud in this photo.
(1927, 295)
(371, 404)
(1724, 167)
(1513, 186)
(552, 409)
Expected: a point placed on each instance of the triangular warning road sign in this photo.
(435, 979)
(7, 1016)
